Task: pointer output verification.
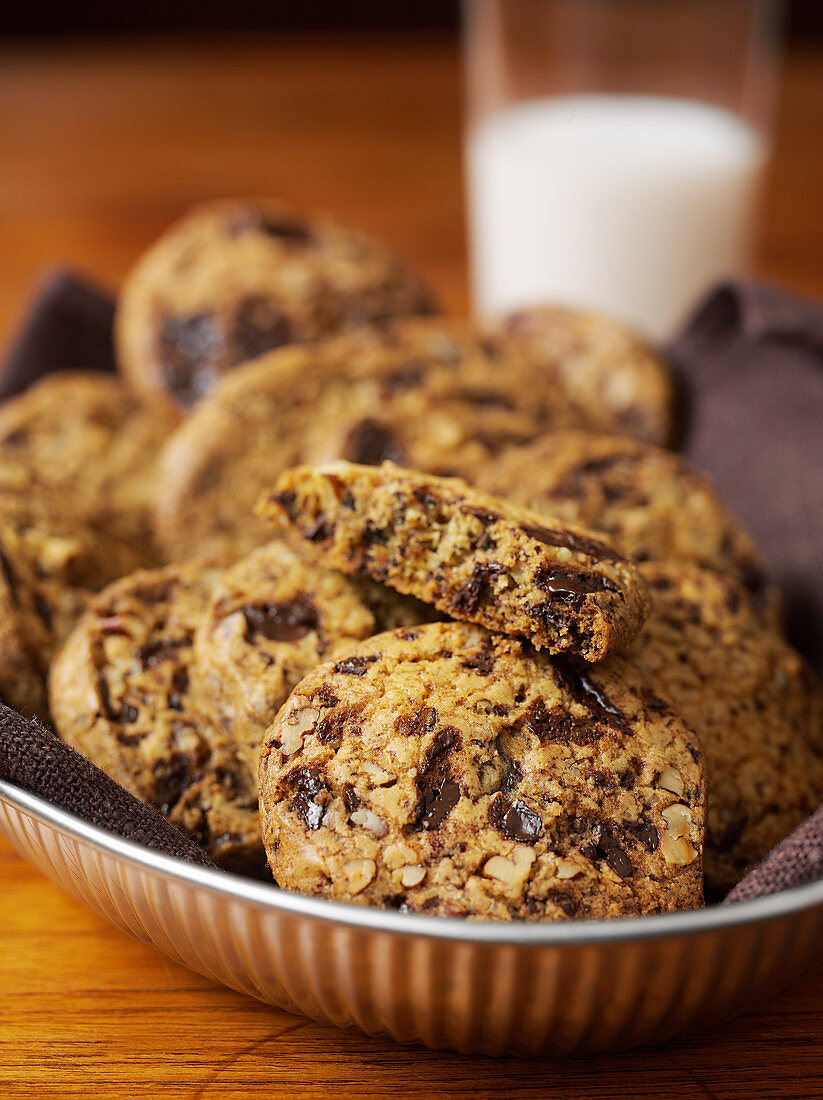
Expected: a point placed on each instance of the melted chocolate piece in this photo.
(172, 778)
(415, 725)
(191, 350)
(580, 544)
(407, 377)
(557, 725)
(329, 730)
(573, 481)
(478, 588)
(606, 847)
(437, 792)
(369, 443)
(43, 609)
(515, 821)
(287, 229)
(324, 697)
(281, 622)
(258, 327)
(482, 662)
(487, 399)
(563, 583)
(355, 666)
(646, 833)
(179, 688)
(351, 799)
(585, 692)
(152, 653)
(307, 785)
(10, 578)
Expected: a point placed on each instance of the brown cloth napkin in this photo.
(750, 364)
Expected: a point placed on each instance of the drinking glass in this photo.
(615, 150)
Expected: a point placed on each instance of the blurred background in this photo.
(116, 117)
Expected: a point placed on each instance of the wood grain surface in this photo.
(101, 145)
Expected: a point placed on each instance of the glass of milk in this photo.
(615, 150)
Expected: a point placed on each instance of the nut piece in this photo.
(671, 780)
(678, 818)
(379, 776)
(291, 741)
(511, 871)
(358, 873)
(412, 875)
(368, 819)
(677, 849)
(304, 719)
(566, 868)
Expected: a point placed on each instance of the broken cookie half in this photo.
(468, 554)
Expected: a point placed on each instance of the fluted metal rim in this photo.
(259, 895)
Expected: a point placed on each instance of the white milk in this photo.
(630, 205)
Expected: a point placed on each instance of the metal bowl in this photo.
(492, 988)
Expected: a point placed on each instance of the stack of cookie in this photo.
(413, 614)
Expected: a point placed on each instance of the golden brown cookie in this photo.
(752, 700)
(235, 279)
(271, 619)
(649, 503)
(448, 771)
(434, 395)
(470, 555)
(121, 693)
(85, 439)
(621, 382)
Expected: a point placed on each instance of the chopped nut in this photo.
(358, 874)
(671, 780)
(304, 719)
(367, 819)
(677, 818)
(489, 778)
(677, 849)
(291, 741)
(412, 875)
(567, 869)
(511, 871)
(336, 814)
(379, 775)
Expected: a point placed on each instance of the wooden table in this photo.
(100, 147)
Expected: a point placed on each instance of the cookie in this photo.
(621, 382)
(470, 555)
(649, 503)
(49, 565)
(433, 395)
(752, 700)
(271, 619)
(85, 439)
(121, 693)
(449, 771)
(235, 279)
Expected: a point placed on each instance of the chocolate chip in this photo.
(10, 577)
(191, 350)
(556, 725)
(351, 799)
(573, 482)
(329, 730)
(281, 622)
(355, 666)
(128, 713)
(324, 697)
(307, 785)
(287, 229)
(647, 834)
(568, 903)
(165, 649)
(407, 377)
(485, 515)
(43, 609)
(287, 501)
(565, 583)
(584, 691)
(369, 443)
(320, 531)
(172, 778)
(179, 688)
(487, 399)
(482, 662)
(258, 326)
(515, 821)
(592, 548)
(606, 847)
(437, 792)
(478, 588)
(417, 724)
